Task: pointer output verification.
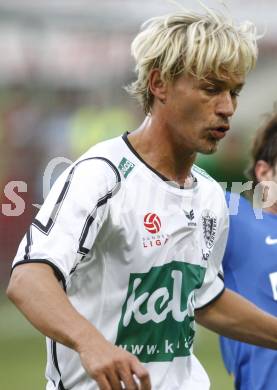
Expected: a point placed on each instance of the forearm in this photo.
(36, 292)
(233, 316)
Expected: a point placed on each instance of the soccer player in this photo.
(125, 253)
(250, 265)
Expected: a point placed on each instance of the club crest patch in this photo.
(209, 225)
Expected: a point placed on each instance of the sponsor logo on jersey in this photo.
(125, 166)
(270, 241)
(190, 216)
(152, 223)
(157, 319)
(209, 225)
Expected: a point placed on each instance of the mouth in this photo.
(218, 132)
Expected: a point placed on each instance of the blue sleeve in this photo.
(240, 211)
(246, 272)
(227, 352)
(254, 368)
(234, 254)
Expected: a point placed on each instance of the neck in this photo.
(161, 150)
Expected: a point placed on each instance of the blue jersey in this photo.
(250, 268)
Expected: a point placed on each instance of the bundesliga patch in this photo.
(125, 166)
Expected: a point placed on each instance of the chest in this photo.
(151, 228)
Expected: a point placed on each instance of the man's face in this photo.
(197, 112)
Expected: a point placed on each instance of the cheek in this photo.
(194, 112)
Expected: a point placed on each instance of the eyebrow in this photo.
(224, 83)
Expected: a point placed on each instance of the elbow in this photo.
(12, 289)
(15, 286)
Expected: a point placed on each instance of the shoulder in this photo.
(95, 171)
(199, 172)
(209, 186)
(104, 155)
(205, 179)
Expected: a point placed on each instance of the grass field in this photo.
(22, 354)
(207, 351)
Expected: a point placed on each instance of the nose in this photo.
(225, 105)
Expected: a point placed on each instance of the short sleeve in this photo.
(68, 223)
(213, 284)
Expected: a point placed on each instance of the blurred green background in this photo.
(22, 353)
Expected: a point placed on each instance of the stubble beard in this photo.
(210, 148)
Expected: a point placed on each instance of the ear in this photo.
(263, 171)
(157, 86)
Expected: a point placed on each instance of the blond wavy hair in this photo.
(190, 43)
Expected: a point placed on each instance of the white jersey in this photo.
(136, 255)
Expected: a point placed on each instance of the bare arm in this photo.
(36, 292)
(233, 316)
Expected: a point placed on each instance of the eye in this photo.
(235, 92)
(212, 89)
